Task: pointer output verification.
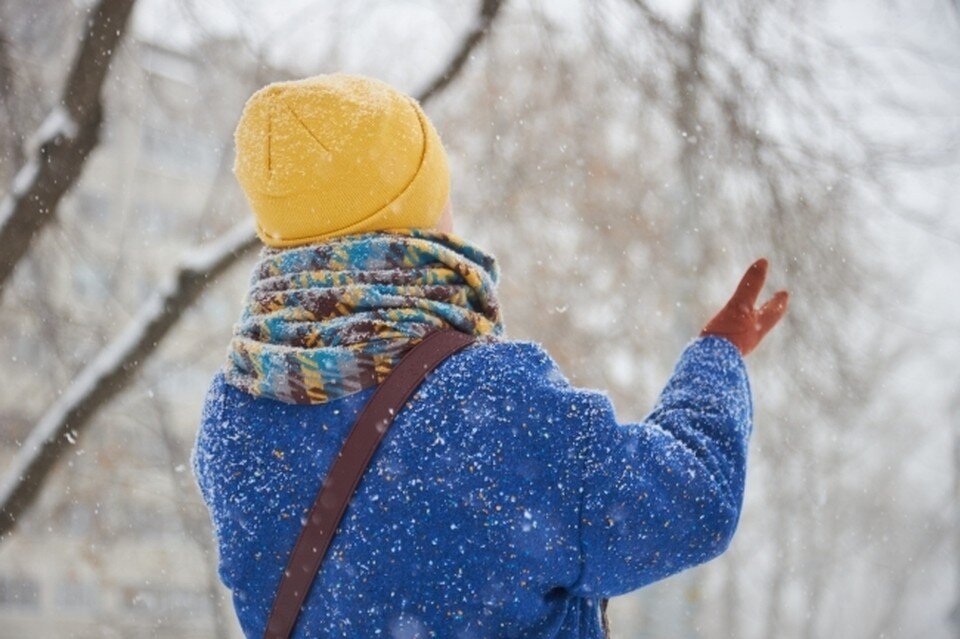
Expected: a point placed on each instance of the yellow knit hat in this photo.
(338, 154)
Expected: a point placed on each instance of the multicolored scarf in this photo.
(326, 320)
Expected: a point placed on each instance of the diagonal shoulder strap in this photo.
(347, 469)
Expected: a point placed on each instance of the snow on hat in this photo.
(338, 154)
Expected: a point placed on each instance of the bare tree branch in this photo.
(485, 17)
(64, 140)
(113, 369)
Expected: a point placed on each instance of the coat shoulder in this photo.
(508, 362)
(497, 366)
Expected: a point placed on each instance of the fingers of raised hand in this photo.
(749, 288)
(771, 312)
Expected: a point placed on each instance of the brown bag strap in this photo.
(347, 469)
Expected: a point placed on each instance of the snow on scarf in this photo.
(330, 319)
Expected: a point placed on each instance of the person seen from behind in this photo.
(503, 501)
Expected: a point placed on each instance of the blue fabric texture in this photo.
(503, 502)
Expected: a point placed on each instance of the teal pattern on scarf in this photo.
(327, 320)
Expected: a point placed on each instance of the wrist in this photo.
(741, 345)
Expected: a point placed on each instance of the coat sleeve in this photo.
(662, 495)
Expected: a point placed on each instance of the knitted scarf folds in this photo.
(327, 320)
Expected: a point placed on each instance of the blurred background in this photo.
(625, 160)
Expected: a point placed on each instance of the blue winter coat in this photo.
(504, 502)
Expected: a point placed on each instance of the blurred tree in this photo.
(64, 140)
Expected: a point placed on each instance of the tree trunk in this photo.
(64, 140)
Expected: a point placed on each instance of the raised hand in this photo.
(739, 321)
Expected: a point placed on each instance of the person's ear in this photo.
(445, 223)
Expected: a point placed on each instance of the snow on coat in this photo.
(503, 502)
